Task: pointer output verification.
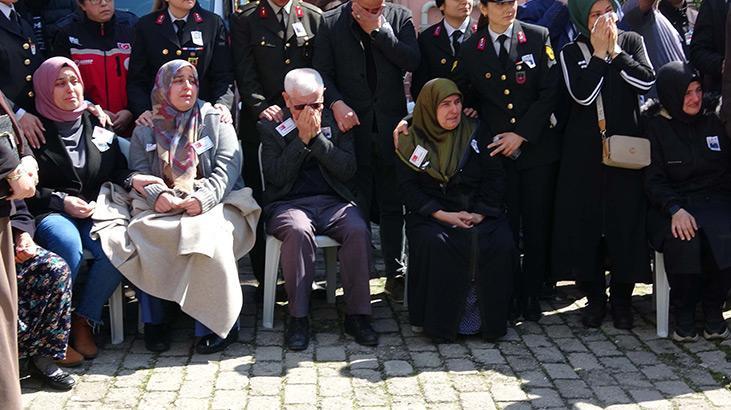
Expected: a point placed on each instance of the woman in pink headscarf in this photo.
(78, 157)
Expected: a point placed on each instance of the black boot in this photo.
(157, 338)
(621, 301)
(298, 333)
(593, 314)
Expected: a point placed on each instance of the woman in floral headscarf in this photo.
(198, 158)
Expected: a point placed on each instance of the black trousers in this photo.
(377, 187)
(252, 179)
(710, 289)
(530, 197)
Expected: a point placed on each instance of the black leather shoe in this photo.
(53, 376)
(532, 310)
(298, 333)
(622, 316)
(212, 343)
(394, 288)
(359, 326)
(593, 314)
(157, 338)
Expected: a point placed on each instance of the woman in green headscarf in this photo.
(461, 252)
(600, 210)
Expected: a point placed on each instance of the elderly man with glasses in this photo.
(308, 164)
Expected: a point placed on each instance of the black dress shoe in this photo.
(212, 343)
(298, 333)
(622, 316)
(359, 326)
(52, 375)
(157, 338)
(593, 314)
(532, 310)
(394, 288)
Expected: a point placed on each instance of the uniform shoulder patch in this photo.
(549, 53)
(247, 8)
(454, 65)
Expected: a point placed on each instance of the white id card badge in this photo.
(150, 147)
(475, 146)
(418, 156)
(102, 138)
(299, 29)
(326, 132)
(713, 143)
(197, 37)
(286, 127)
(202, 145)
(529, 60)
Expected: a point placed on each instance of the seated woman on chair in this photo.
(78, 157)
(689, 186)
(189, 228)
(461, 252)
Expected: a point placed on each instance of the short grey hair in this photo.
(303, 81)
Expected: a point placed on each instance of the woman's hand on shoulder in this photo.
(401, 128)
(225, 112)
(33, 130)
(104, 119)
(145, 119)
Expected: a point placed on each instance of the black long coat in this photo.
(594, 200)
(156, 43)
(691, 169)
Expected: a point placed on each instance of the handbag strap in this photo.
(601, 118)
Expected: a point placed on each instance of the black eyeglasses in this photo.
(317, 106)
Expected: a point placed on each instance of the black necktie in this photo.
(180, 24)
(283, 19)
(456, 36)
(14, 20)
(503, 55)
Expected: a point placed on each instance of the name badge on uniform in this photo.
(299, 29)
(475, 146)
(197, 37)
(326, 132)
(202, 145)
(529, 60)
(417, 157)
(713, 143)
(150, 147)
(286, 127)
(33, 48)
(102, 138)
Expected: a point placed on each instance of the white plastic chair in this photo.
(271, 266)
(661, 294)
(116, 301)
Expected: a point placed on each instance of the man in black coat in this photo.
(440, 43)
(707, 46)
(363, 49)
(507, 71)
(201, 40)
(44, 15)
(269, 38)
(20, 56)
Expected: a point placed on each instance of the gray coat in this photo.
(282, 158)
(219, 168)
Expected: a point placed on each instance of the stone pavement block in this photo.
(403, 386)
(301, 375)
(385, 325)
(363, 361)
(513, 405)
(191, 404)
(573, 389)
(507, 392)
(131, 378)
(264, 386)
(544, 398)
(397, 368)
(699, 377)
(269, 338)
(558, 331)
(165, 382)
(460, 366)
(477, 401)
(241, 364)
(229, 400)
(633, 380)
(336, 403)
(195, 390)
(438, 393)
(420, 344)
(627, 342)
(267, 369)
(514, 349)
(137, 361)
(611, 395)
(603, 348)
(537, 341)
(570, 345)
(647, 398)
(661, 346)
(583, 405)
(452, 350)
(300, 394)
(263, 403)
(548, 355)
(584, 361)
(618, 364)
(471, 382)
(330, 354)
(534, 378)
(642, 357)
(157, 400)
(335, 386)
(365, 377)
(720, 397)
(488, 356)
(299, 359)
(268, 353)
(659, 372)
(522, 363)
(560, 371)
(327, 339)
(422, 360)
(408, 403)
(126, 396)
(370, 396)
(623, 407)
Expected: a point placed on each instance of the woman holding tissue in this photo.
(79, 155)
(600, 209)
(182, 228)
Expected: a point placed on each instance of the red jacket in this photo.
(102, 51)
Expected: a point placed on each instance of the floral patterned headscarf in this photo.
(175, 131)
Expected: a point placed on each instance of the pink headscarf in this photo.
(44, 80)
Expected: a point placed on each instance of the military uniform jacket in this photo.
(437, 57)
(519, 99)
(340, 59)
(204, 44)
(263, 53)
(20, 56)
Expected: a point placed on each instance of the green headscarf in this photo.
(445, 148)
(579, 13)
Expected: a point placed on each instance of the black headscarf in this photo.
(672, 82)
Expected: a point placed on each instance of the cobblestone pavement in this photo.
(554, 364)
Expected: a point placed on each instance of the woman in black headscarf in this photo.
(689, 186)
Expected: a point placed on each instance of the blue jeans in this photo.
(68, 237)
(154, 311)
